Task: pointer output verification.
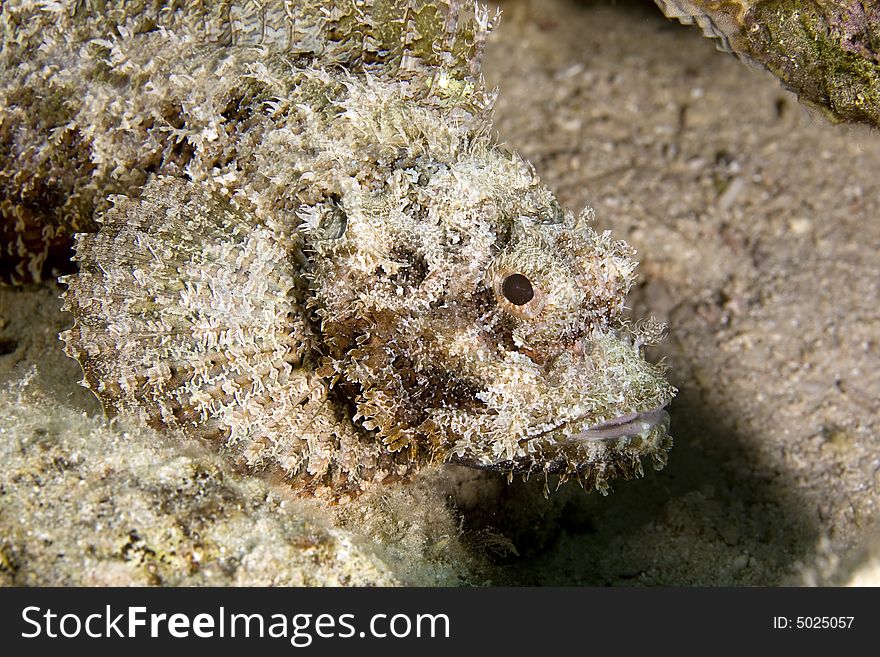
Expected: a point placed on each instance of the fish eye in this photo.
(517, 289)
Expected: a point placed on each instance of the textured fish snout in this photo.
(626, 426)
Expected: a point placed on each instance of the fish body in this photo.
(297, 237)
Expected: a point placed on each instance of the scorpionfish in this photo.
(296, 235)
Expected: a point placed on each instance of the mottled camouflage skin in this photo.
(95, 97)
(311, 251)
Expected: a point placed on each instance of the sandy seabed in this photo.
(757, 226)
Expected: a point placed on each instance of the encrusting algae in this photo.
(308, 246)
(826, 51)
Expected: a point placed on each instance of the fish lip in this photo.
(630, 424)
(623, 426)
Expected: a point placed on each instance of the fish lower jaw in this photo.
(631, 424)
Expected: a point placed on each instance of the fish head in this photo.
(469, 318)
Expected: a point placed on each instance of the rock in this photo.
(86, 502)
(828, 53)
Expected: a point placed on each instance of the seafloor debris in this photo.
(826, 52)
(311, 249)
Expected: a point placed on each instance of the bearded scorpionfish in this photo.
(296, 236)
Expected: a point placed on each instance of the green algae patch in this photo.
(826, 52)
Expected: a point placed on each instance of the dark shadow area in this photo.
(712, 517)
(30, 321)
(643, 8)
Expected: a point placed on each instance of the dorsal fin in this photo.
(371, 35)
(401, 37)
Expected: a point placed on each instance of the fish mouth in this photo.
(651, 424)
(631, 424)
